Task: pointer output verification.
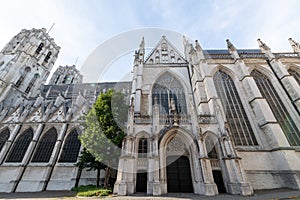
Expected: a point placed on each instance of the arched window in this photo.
(71, 148)
(39, 49)
(22, 77)
(4, 135)
(236, 116)
(48, 56)
(45, 146)
(31, 83)
(65, 79)
(211, 148)
(143, 148)
(56, 80)
(295, 74)
(20, 146)
(168, 93)
(279, 110)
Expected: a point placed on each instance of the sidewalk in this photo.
(278, 194)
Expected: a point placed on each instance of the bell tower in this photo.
(25, 63)
(66, 75)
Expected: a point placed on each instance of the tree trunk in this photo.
(107, 176)
(98, 178)
(78, 177)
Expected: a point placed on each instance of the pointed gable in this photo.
(164, 52)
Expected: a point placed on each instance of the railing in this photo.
(218, 56)
(215, 164)
(286, 55)
(182, 119)
(142, 163)
(252, 55)
(206, 119)
(143, 119)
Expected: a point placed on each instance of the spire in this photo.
(295, 45)
(232, 50)
(142, 45)
(263, 47)
(141, 51)
(199, 50)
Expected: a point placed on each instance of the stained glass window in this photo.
(168, 93)
(4, 135)
(143, 148)
(20, 146)
(279, 110)
(236, 116)
(45, 146)
(71, 148)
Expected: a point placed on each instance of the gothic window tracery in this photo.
(31, 83)
(39, 49)
(236, 116)
(211, 148)
(4, 135)
(48, 56)
(168, 93)
(22, 77)
(45, 146)
(295, 74)
(20, 146)
(143, 148)
(279, 110)
(71, 148)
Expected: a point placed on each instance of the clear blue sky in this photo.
(82, 25)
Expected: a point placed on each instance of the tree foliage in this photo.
(104, 128)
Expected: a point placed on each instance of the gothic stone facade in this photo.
(207, 122)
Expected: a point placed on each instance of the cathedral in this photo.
(199, 121)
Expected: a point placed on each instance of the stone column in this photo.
(28, 155)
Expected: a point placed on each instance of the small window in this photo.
(56, 80)
(143, 148)
(39, 49)
(48, 56)
(31, 83)
(4, 135)
(22, 77)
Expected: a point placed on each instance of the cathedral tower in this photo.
(66, 75)
(25, 62)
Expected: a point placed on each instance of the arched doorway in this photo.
(141, 181)
(218, 179)
(211, 145)
(179, 177)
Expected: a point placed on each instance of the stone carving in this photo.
(176, 145)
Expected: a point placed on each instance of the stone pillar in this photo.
(125, 183)
(28, 155)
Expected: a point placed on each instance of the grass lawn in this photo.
(91, 191)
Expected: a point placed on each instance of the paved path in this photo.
(68, 195)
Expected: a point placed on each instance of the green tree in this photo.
(104, 130)
(87, 160)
